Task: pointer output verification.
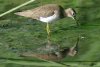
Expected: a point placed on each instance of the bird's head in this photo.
(70, 13)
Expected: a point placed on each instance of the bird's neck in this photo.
(65, 13)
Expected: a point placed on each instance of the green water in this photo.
(19, 34)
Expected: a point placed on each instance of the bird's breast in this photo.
(49, 18)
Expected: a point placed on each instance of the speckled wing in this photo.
(42, 11)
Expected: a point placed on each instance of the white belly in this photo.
(49, 19)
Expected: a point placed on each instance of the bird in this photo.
(48, 13)
(53, 52)
(52, 56)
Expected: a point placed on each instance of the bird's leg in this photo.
(48, 30)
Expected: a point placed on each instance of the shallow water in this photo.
(19, 34)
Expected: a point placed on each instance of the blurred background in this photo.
(19, 34)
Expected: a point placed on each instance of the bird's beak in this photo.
(73, 18)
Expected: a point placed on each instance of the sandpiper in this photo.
(54, 52)
(48, 13)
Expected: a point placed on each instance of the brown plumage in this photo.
(45, 11)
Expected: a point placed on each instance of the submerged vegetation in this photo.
(19, 34)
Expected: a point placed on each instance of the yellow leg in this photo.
(48, 30)
(48, 34)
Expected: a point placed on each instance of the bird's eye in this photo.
(74, 14)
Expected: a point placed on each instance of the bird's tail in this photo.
(27, 13)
